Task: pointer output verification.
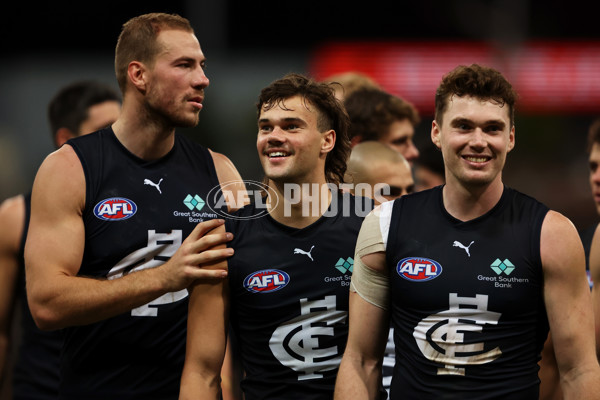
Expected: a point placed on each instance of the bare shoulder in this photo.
(226, 170)
(12, 219)
(560, 245)
(557, 226)
(220, 158)
(63, 157)
(60, 178)
(230, 180)
(12, 209)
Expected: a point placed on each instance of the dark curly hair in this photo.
(331, 115)
(478, 81)
(372, 111)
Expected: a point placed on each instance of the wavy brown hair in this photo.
(372, 111)
(331, 115)
(477, 81)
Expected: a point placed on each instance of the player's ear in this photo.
(435, 134)
(136, 71)
(327, 141)
(511, 139)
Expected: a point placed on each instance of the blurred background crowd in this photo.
(550, 50)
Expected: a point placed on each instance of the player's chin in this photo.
(478, 178)
(188, 121)
(276, 174)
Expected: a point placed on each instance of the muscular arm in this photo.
(206, 341)
(359, 376)
(54, 250)
(595, 275)
(208, 313)
(568, 303)
(12, 218)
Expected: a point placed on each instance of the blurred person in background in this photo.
(372, 163)
(428, 169)
(594, 247)
(122, 224)
(593, 151)
(348, 82)
(471, 274)
(76, 109)
(377, 116)
(380, 116)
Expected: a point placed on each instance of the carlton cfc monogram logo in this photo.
(301, 343)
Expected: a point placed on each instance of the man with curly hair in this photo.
(471, 274)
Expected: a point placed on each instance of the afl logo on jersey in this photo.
(418, 269)
(267, 280)
(115, 209)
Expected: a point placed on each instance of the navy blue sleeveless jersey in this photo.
(289, 299)
(136, 215)
(35, 372)
(467, 299)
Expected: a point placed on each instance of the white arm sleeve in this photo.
(372, 285)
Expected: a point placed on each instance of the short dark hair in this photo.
(593, 135)
(331, 115)
(137, 40)
(372, 111)
(70, 106)
(478, 81)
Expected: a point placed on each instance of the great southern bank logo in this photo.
(115, 209)
(502, 266)
(192, 202)
(345, 265)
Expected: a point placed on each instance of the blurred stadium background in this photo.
(550, 50)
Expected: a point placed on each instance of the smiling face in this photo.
(176, 81)
(475, 137)
(290, 146)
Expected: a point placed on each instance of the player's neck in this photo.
(146, 141)
(299, 205)
(469, 202)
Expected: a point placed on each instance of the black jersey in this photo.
(289, 300)
(467, 299)
(35, 373)
(136, 215)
